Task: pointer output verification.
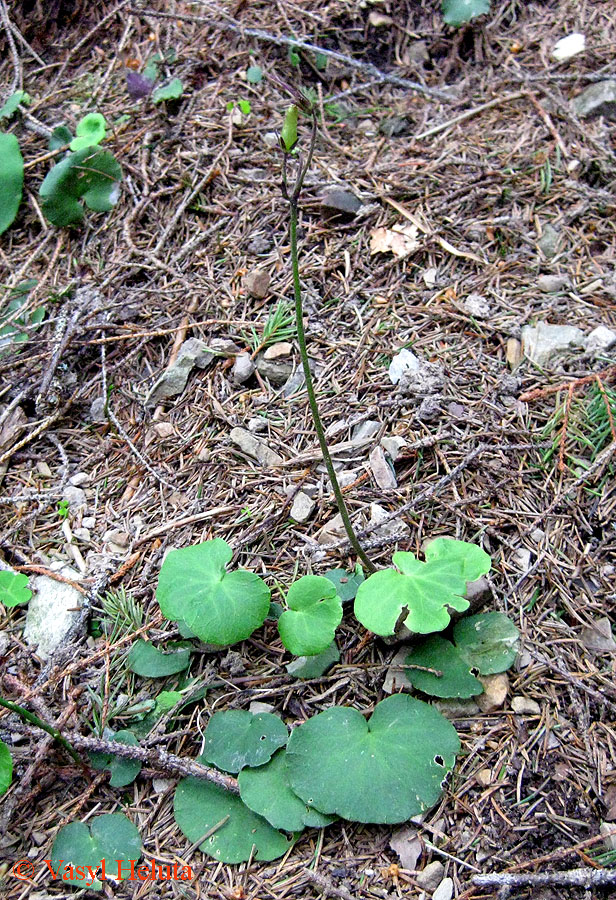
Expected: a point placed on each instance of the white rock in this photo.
(608, 831)
(4, 642)
(88, 522)
(393, 528)
(243, 369)
(276, 351)
(302, 507)
(600, 339)
(543, 343)
(115, 536)
(257, 424)
(477, 306)
(524, 706)
(393, 446)
(75, 497)
(429, 277)
(444, 891)
(598, 637)
(430, 877)
(521, 559)
(364, 431)
(401, 363)
(52, 611)
(163, 430)
(383, 473)
(161, 785)
(569, 46)
(550, 284)
(255, 447)
(257, 707)
(80, 478)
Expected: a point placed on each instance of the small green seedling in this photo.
(14, 590)
(63, 509)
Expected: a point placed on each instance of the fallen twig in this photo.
(584, 878)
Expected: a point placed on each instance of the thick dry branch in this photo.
(584, 878)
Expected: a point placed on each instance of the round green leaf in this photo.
(384, 770)
(14, 588)
(315, 611)
(145, 660)
(254, 75)
(459, 12)
(89, 174)
(123, 771)
(236, 738)
(11, 179)
(200, 806)
(266, 791)
(347, 583)
(455, 679)
(170, 91)
(314, 666)
(220, 607)
(90, 131)
(487, 642)
(420, 592)
(77, 846)
(6, 768)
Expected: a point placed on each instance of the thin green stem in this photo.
(34, 720)
(301, 337)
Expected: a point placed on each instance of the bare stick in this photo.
(6, 22)
(584, 878)
(498, 101)
(238, 28)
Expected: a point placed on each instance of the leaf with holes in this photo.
(314, 666)
(460, 12)
(14, 588)
(487, 642)
(266, 791)
(11, 179)
(6, 768)
(309, 624)
(90, 175)
(455, 678)
(418, 593)
(78, 846)
(347, 583)
(145, 660)
(123, 771)
(236, 738)
(219, 607)
(91, 131)
(384, 770)
(231, 832)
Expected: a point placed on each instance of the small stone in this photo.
(340, 201)
(79, 478)
(302, 507)
(97, 410)
(400, 364)
(88, 522)
(551, 284)
(513, 353)
(43, 469)
(172, 381)
(608, 832)
(484, 777)
(281, 349)
(543, 343)
(222, 347)
(600, 339)
(476, 592)
(294, 383)
(394, 528)
(495, 688)
(119, 538)
(163, 430)
(456, 410)
(417, 52)
(393, 446)
(598, 99)
(444, 891)
(257, 283)
(477, 306)
(257, 707)
(383, 473)
(257, 424)
(277, 371)
(394, 126)
(524, 706)
(271, 140)
(4, 642)
(255, 447)
(161, 785)
(75, 497)
(521, 559)
(429, 410)
(331, 531)
(598, 637)
(508, 385)
(52, 612)
(260, 245)
(364, 431)
(396, 678)
(549, 241)
(39, 837)
(422, 380)
(430, 877)
(243, 368)
(457, 708)
(82, 534)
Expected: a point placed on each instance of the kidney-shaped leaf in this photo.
(200, 806)
(266, 791)
(421, 591)
(220, 607)
(315, 611)
(384, 770)
(11, 179)
(110, 837)
(487, 642)
(454, 678)
(170, 91)
(123, 771)
(236, 738)
(14, 588)
(459, 12)
(90, 175)
(6, 768)
(145, 660)
(346, 583)
(90, 131)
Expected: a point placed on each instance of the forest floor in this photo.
(501, 184)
